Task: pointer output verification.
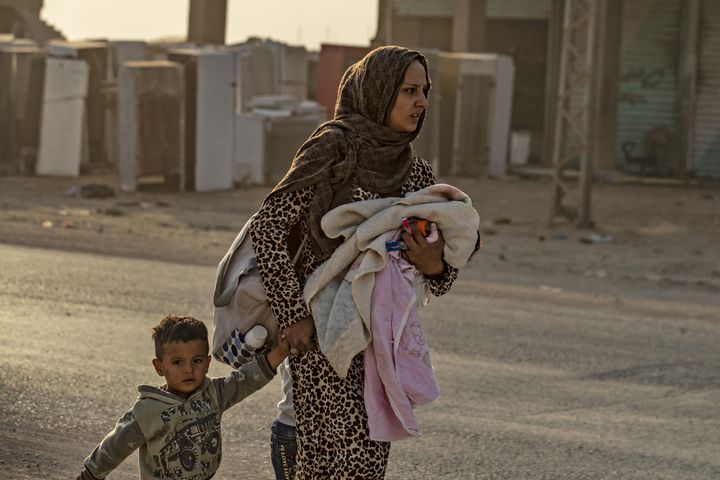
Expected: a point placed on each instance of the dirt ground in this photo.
(662, 240)
(579, 360)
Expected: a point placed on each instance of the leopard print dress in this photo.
(332, 429)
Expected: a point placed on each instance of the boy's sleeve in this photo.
(114, 448)
(242, 382)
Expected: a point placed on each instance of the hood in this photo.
(157, 393)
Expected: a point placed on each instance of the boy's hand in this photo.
(276, 356)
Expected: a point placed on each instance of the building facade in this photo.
(661, 82)
(21, 18)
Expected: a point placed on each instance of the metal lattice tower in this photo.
(574, 117)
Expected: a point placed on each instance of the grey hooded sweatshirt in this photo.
(179, 438)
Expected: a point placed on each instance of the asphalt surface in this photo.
(537, 382)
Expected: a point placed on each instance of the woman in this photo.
(363, 152)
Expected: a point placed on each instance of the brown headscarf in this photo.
(355, 147)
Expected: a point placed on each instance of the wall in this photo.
(333, 61)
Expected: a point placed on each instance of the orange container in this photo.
(423, 227)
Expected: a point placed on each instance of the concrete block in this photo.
(249, 151)
(266, 67)
(122, 51)
(15, 95)
(266, 142)
(293, 65)
(209, 117)
(151, 125)
(7, 40)
(63, 117)
(504, 84)
(119, 52)
(476, 109)
(284, 136)
(520, 147)
(97, 57)
(255, 73)
(427, 144)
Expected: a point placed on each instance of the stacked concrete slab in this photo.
(266, 139)
(266, 67)
(18, 108)
(249, 150)
(273, 116)
(122, 51)
(151, 125)
(283, 137)
(475, 112)
(119, 52)
(209, 117)
(7, 40)
(62, 129)
(293, 71)
(95, 54)
(427, 144)
(255, 72)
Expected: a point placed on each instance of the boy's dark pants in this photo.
(283, 448)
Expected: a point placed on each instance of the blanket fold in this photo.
(339, 292)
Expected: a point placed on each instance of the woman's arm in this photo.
(269, 232)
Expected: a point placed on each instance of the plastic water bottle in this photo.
(255, 337)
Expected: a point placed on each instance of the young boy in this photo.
(177, 426)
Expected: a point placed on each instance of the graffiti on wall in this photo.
(647, 77)
(642, 78)
(649, 153)
(632, 98)
(656, 145)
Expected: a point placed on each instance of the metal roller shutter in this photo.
(648, 101)
(706, 144)
(424, 8)
(537, 9)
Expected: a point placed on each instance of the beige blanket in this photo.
(339, 292)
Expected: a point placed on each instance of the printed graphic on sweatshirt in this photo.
(193, 452)
(196, 407)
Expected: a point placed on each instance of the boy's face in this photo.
(184, 366)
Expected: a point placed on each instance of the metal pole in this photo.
(575, 122)
(588, 158)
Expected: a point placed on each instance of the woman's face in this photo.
(411, 100)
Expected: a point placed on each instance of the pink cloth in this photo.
(398, 372)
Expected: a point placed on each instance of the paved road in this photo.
(536, 383)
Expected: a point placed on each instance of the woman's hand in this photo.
(299, 336)
(426, 257)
